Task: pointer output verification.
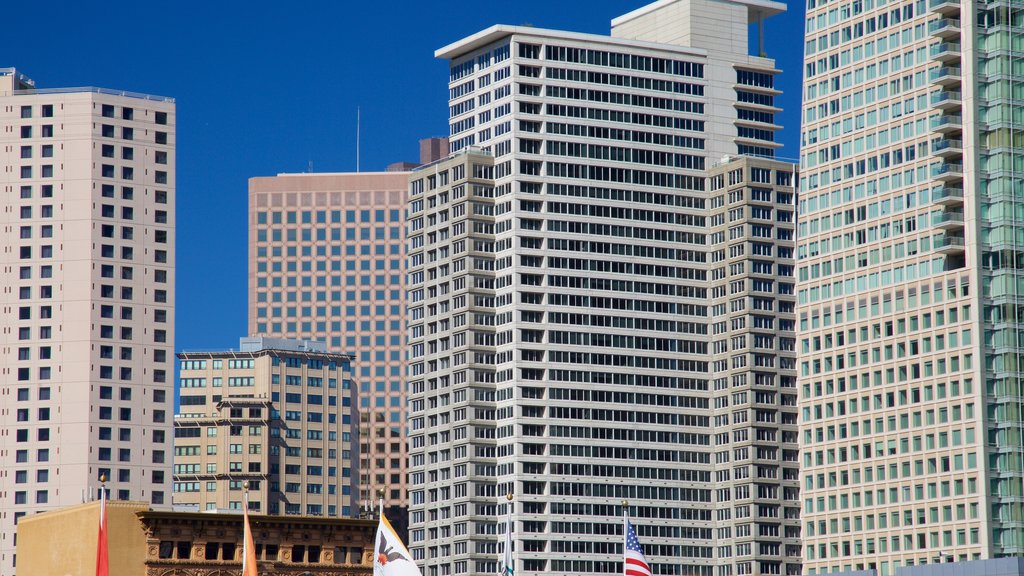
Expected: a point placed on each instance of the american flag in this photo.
(635, 562)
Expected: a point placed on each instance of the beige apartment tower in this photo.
(327, 263)
(278, 414)
(87, 298)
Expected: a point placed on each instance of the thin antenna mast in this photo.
(358, 119)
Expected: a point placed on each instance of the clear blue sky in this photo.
(268, 87)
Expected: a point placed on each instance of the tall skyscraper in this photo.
(327, 262)
(278, 414)
(602, 303)
(87, 315)
(909, 273)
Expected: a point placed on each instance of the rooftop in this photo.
(257, 343)
(310, 174)
(469, 150)
(24, 80)
(757, 9)
(254, 346)
(94, 90)
(499, 31)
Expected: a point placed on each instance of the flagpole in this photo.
(246, 529)
(507, 559)
(249, 561)
(102, 555)
(625, 532)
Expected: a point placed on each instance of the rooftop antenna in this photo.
(358, 119)
(309, 167)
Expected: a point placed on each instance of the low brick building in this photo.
(170, 543)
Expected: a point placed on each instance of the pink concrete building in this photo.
(327, 262)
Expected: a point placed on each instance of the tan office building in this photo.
(327, 263)
(278, 414)
(87, 298)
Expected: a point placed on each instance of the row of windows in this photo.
(325, 216)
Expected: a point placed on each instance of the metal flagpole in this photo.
(102, 553)
(245, 539)
(507, 559)
(625, 532)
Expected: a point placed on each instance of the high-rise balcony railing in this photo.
(948, 195)
(949, 244)
(950, 220)
(947, 123)
(947, 147)
(946, 100)
(946, 28)
(945, 51)
(945, 75)
(948, 171)
(944, 7)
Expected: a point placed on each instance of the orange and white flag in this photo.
(392, 558)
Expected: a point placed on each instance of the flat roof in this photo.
(757, 8)
(245, 354)
(499, 31)
(93, 90)
(310, 174)
(327, 182)
(264, 519)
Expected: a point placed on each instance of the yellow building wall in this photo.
(63, 542)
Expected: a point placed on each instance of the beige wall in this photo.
(82, 192)
(63, 542)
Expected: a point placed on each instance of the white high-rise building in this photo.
(909, 283)
(602, 303)
(87, 298)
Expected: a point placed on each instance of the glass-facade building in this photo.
(908, 283)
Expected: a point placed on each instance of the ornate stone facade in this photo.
(145, 542)
(202, 544)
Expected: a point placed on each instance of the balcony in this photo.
(949, 245)
(947, 147)
(946, 52)
(945, 28)
(945, 75)
(947, 123)
(944, 7)
(948, 172)
(946, 100)
(948, 195)
(950, 221)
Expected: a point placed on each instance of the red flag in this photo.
(102, 562)
(248, 549)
